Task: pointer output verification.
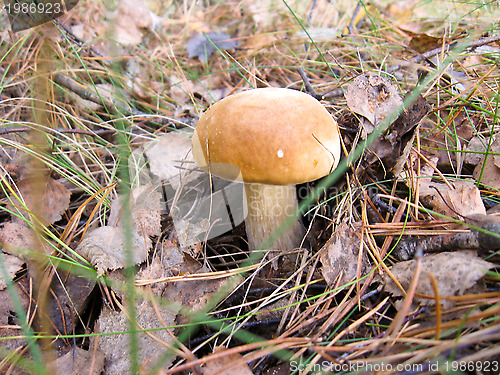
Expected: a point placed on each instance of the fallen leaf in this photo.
(438, 142)
(424, 42)
(476, 149)
(198, 202)
(104, 248)
(152, 345)
(52, 206)
(461, 201)
(254, 44)
(211, 89)
(172, 257)
(400, 135)
(77, 362)
(194, 294)
(373, 97)
(9, 319)
(231, 364)
(170, 158)
(455, 272)
(16, 237)
(147, 209)
(203, 45)
(130, 19)
(70, 294)
(340, 255)
(487, 172)
(12, 264)
(145, 206)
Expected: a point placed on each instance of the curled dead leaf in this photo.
(145, 205)
(487, 172)
(153, 345)
(231, 364)
(169, 157)
(12, 264)
(373, 97)
(461, 201)
(455, 272)
(52, 205)
(105, 248)
(76, 362)
(340, 256)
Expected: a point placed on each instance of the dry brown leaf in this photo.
(455, 272)
(169, 156)
(194, 294)
(70, 294)
(104, 248)
(131, 18)
(204, 45)
(116, 347)
(211, 88)
(8, 316)
(373, 97)
(147, 210)
(145, 205)
(424, 42)
(341, 255)
(173, 257)
(77, 362)
(16, 237)
(463, 200)
(12, 264)
(54, 204)
(255, 43)
(232, 364)
(487, 172)
(476, 149)
(173, 262)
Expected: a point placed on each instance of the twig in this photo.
(353, 18)
(310, 89)
(20, 129)
(83, 92)
(453, 45)
(80, 43)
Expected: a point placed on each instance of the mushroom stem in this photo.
(268, 207)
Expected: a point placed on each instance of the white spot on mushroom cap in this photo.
(280, 153)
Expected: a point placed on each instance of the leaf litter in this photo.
(162, 308)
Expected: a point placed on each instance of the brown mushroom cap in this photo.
(273, 135)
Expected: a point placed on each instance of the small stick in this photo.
(20, 129)
(436, 51)
(310, 89)
(353, 18)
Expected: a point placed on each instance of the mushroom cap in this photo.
(271, 136)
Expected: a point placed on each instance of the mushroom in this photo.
(276, 138)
